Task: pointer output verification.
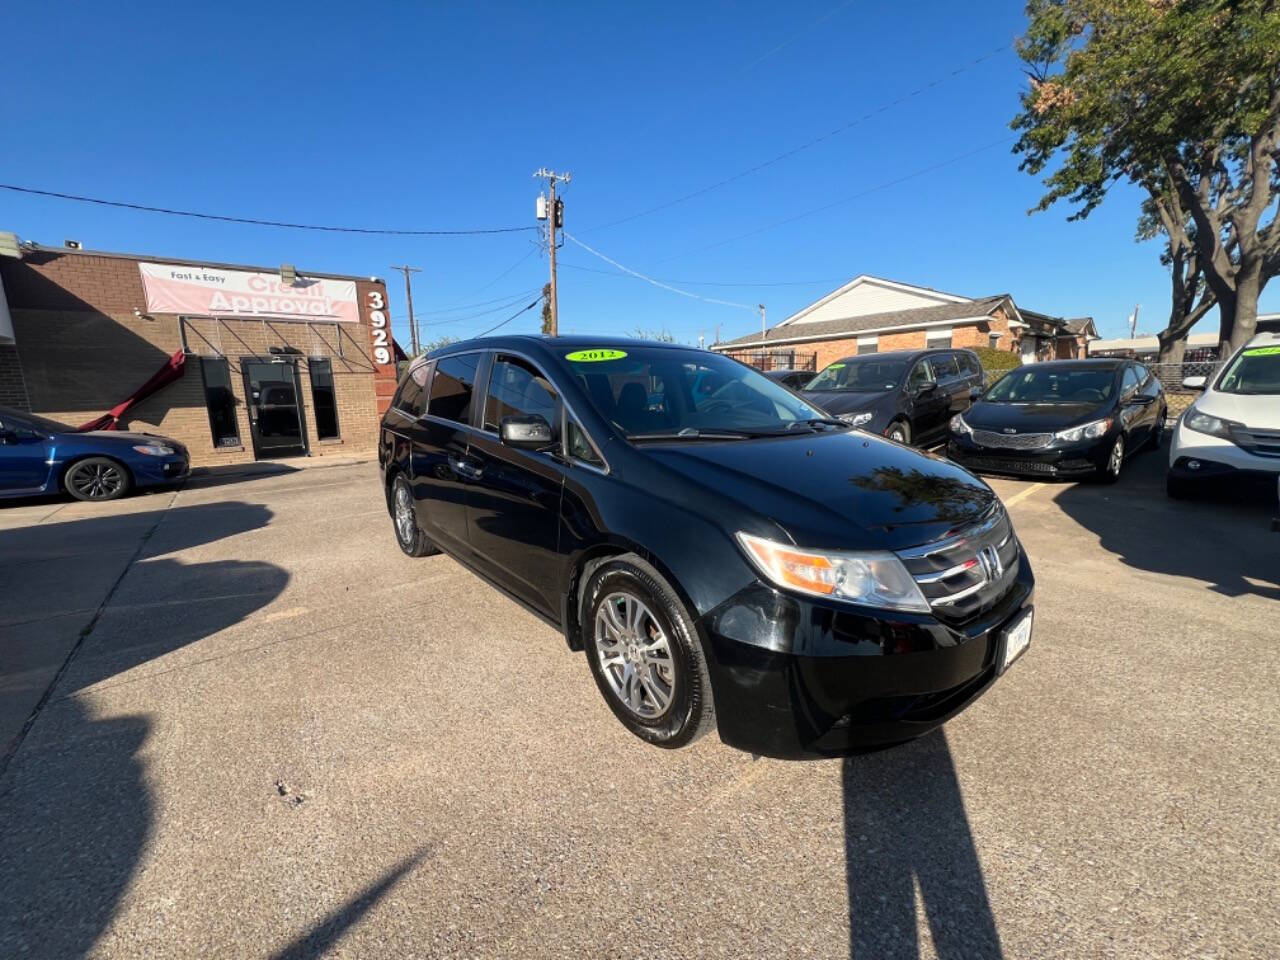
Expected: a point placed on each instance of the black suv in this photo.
(725, 553)
(906, 395)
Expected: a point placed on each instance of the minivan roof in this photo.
(549, 343)
(902, 354)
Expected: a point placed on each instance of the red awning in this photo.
(172, 370)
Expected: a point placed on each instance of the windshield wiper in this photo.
(690, 433)
(827, 421)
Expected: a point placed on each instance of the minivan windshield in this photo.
(1255, 370)
(1053, 385)
(660, 393)
(860, 374)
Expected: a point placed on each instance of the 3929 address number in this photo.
(378, 319)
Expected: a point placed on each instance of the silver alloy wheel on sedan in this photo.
(405, 523)
(898, 434)
(1117, 457)
(97, 480)
(635, 655)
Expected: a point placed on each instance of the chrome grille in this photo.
(1263, 443)
(967, 573)
(1011, 441)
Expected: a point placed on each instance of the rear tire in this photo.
(405, 522)
(899, 432)
(644, 654)
(97, 479)
(1157, 431)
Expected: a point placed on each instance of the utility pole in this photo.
(552, 210)
(1133, 321)
(764, 327)
(408, 295)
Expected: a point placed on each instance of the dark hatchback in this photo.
(725, 554)
(1064, 418)
(906, 395)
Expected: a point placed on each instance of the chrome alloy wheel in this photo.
(635, 655)
(405, 522)
(1117, 457)
(97, 481)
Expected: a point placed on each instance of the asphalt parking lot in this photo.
(278, 736)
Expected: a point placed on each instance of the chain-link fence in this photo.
(1173, 375)
(766, 360)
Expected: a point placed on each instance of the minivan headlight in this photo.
(1086, 431)
(961, 426)
(856, 419)
(875, 578)
(155, 449)
(1204, 423)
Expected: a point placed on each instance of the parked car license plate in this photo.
(1016, 640)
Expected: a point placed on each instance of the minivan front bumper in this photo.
(796, 677)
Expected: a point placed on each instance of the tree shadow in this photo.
(1222, 538)
(75, 809)
(905, 825)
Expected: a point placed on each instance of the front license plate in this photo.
(1016, 640)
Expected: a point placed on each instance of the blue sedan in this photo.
(40, 456)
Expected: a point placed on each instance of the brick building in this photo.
(874, 315)
(254, 362)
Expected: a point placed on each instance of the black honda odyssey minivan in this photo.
(726, 555)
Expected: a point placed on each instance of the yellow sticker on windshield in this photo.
(834, 366)
(1262, 352)
(594, 356)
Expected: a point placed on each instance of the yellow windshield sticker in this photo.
(1262, 352)
(594, 356)
(834, 366)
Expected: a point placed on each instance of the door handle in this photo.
(464, 468)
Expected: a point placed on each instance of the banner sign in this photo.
(211, 292)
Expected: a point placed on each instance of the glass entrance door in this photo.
(272, 391)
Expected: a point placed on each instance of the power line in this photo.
(853, 196)
(512, 297)
(656, 283)
(786, 154)
(255, 222)
(713, 283)
(533, 303)
(484, 313)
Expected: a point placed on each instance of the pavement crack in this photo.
(88, 628)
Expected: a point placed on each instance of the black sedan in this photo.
(1066, 418)
(724, 554)
(906, 395)
(795, 379)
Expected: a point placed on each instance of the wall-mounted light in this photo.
(71, 244)
(288, 274)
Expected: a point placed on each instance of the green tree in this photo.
(1180, 98)
(436, 344)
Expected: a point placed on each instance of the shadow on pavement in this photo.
(75, 809)
(326, 933)
(1222, 538)
(905, 825)
(236, 473)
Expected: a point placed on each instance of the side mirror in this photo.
(1142, 399)
(926, 388)
(525, 433)
(1194, 383)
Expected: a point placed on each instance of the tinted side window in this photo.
(452, 387)
(409, 397)
(1130, 383)
(518, 389)
(920, 374)
(580, 448)
(969, 364)
(944, 366)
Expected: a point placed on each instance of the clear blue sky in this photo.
(436, 115)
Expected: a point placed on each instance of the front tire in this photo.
(899, 432)
(97, 479)
(405, 521)
(1110, 472)
(644, 654)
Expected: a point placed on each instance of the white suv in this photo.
(1233, 428)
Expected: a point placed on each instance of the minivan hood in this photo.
(842, 490)
(1032, 417)
(1251, 409)
(844, 401)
